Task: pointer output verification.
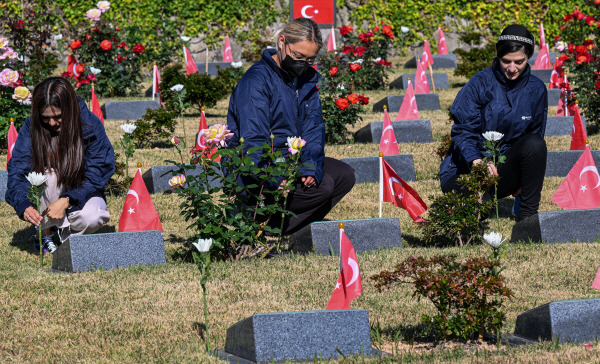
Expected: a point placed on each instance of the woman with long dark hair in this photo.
(68, 143)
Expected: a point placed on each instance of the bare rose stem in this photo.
(40, 225)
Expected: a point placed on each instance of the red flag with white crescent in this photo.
(408, 109)
(421, 83)
(427, 58)
(542, 36)
(581, 187)
(72, 66)
(543, 59)
(322, 12)
(190, 65)
(139, 213)
(12, 139)
(442, 47)
(400, 194)
(579, 134)
(331, 41)
(556, 75)
(349, 283)
(227, 57)
(388, 144)
(96, 107)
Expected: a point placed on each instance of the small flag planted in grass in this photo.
(596, 283)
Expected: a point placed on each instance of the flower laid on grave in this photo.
(36, 191)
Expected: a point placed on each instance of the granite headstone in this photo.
(428, 101)
(298, 336)
(559, 125)
(440, 80)
(562, 226)
(365, 234)
(407, 131)
(570, 321)
(213, 67)
(3, 181)
(127, 110)
(148, 93)
(81, 253)
(366, 169)
(560, 162)
(157, 177)
(553, 96)
(440, 61)
(543, 74)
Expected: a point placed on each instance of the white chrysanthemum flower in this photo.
(359, 61)
(492, 136)
(36, 179)
(184, 38)
(494, 239)
(128, 128)
(404, 29)
(377, 59)
(236, 64)
(95, 70)
(203, 245)
(58, 37)
(341, 87)
(177, 87)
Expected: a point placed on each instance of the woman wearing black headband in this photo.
(508, 99)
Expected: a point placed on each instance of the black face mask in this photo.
(294, 67)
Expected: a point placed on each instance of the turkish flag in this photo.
(201, 140)
(139, 213)
(579, 135)
(331, 41)
(321, 11)
(581, 188)
(72, 66)
(12, 139)
(556, 75)
(96, 107)
(190, 65)
(399, 193)
(542, 36)
(227, 57)
(349, 284)
(427, 58)
(156, 84)
(408, 109)
(421, 83)
(543, 59)
(596, 283)
(442, 48)
(388, 144)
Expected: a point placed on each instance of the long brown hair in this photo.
(62, 152)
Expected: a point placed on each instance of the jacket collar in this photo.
(310, 76)
(508, 84)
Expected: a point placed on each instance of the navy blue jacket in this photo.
(266, 101)
(99, 164)
(490, 102)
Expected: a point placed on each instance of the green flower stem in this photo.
(206, 337)
(496, 194)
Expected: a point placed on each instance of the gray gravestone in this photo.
(365, 235)
(407, 131)
(148, 93)
(553, 96)
(127, 110)
(440, 61)
(543, 74)
(441, 81)
(81, 253)
(213, 67)
(3, 181)
(298, 336)
(553, 55)
(560, 162)
(559, 125)
(572, 321)
(366, 169)
(563, 226)
(157, 177)
(428, 101)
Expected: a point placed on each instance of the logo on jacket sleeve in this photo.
(525, 117)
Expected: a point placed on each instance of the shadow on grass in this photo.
(183, 250)
(22, 239)
(407, 333)
(200, 328)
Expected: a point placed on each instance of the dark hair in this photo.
(62, 152)
(511, 47)
(300, 29)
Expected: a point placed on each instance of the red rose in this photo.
(346, 29)
(342, 103)
(117, 29)
(597, 84)
(347, 49)
(355, 67)
(597, 2)
(571, 48)
(18, 24)
(106, 45)
(590, 20)
(353, 98)
(589, 44)
(567, 17)
(583, 58)
(138, 49)
(558, 36)
(80, 68)
(363, 99)
(580, 16)
(375, 29)
(120, 58)
(17, 83)
(365, 37)
(122, 45)
(333, 71)
(75, 44)
(95, 29)
(318, 88)
(358, 51)
(387, 30)
(580, 49)
(385, 63)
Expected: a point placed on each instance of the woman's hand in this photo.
(56, 210)
(491, 167)
(31, 215)
(309, 181)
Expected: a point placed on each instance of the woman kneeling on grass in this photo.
(278, 95)
(66, 142)
(508, 99)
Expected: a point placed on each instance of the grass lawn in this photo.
(154, 314)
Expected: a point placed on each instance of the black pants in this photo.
(314, 203)
(524, 168)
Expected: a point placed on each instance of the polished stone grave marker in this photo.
(441, 81)
(3, 181)
(148, 93)
(553, 96)
(560, 162)
(365, 234)
(559, 125)
(298, 336)
(81, 253)
(561, 226)
(429, 101)
(213, 67)
(157, 177)
(127, 110)
(569, 321)
(440, 61)
(366, 169)
(543, 74)
(406, 131)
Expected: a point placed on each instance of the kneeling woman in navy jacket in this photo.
(279, 95)
(508, 99)
(66, 142)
